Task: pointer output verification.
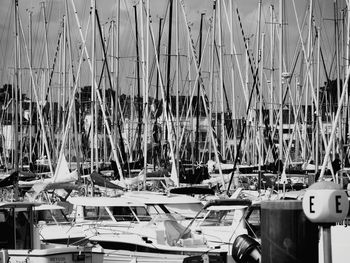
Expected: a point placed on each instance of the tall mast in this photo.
(258, 56)
(317, 100)
(49, 95)
(144, 85)
(31, 87)
(221, 85)
(211, 80)
(158, 55)
(336, 36)
(177, 32)
(168, 70)
(309, 81)
(197, 151)
(139, 105)
(261, 124)
(233, 80)
(16, 81)
(92, 126)
(272, 43)
(281, 8)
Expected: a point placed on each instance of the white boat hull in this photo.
(126, 256)
(55, 254)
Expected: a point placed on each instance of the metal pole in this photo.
(327, 244)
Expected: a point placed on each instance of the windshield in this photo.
(137, 213)
(96, 213)
(185, 210)
(218, 218)
(50, 216)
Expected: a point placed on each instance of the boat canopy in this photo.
(104, 201)
(228, 202)
(48, 207)
(226, 207)
(158, 198)
(193, 190)
(18, 204)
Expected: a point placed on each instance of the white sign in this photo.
(325, 205)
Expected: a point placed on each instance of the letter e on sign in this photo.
(311, 204)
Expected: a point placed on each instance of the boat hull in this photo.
(54, 254)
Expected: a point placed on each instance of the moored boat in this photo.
(20, 240)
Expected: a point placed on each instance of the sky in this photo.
(107, 9)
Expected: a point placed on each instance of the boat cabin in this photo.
(16, 225)
(160, 203)
(114, 209)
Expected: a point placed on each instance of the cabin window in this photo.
(6, 230)
(51, 216)
(218, 218)
(121, 213)
(141, 213)
(96, 213)
(22, 230)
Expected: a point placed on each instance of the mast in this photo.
(259, 56)
(221, 79)
(30, 87)
(272, 43)
(139, 106)
(211, 80)
(177, 32)
(309, 81)
(197, 151)
(92, 124)
(317, 100)
(168, 71)
(117, 119)
(144, 85)
(336, 34)
(261, 124)
(71, 82)
(281, 8)
(233, 81)
(47, 72)
(155, 152)
(16, 82)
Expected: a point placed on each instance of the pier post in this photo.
(287, 235)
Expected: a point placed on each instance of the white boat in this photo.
(127, 231)
(163, 239)
(92, 215)
(226, 222)
(20, 242)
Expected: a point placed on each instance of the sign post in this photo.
(325, 203)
